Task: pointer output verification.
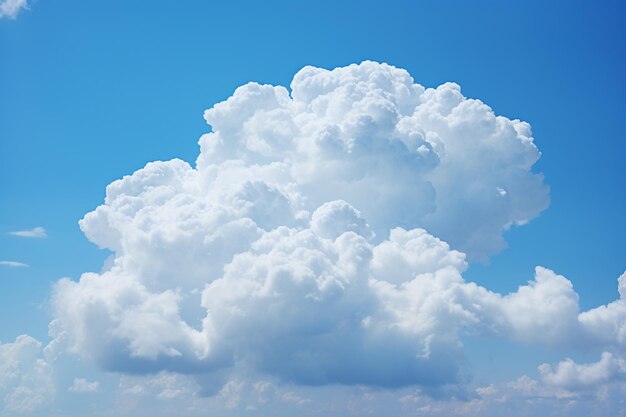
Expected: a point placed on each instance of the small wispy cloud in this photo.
(13, 264)
(10, 8)
(37, 232)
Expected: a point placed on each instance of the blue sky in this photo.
(92, 91)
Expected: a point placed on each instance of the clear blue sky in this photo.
(92, 91)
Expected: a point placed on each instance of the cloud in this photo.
(321, 240)
(25, 377)
(305, 309)
(10, 8)
(315, 310)
(572, 376)
(402, 154)
(543, 312)
(37, 232)
(293, 294)
(14, 264)
(568, 388)
(162, 386)
(606, 325)
(82, 385)
(524, 396)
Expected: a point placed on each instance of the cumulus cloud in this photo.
(36, 232)
(10, 8)
(25, 377)
(543, 312)
(607, 324)
(303, 247)
(572, 376)
(13, 264)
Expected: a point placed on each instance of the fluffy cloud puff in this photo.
(402, 154)
(295, 248)
(607, 324)
(570, 375)
(25, 377)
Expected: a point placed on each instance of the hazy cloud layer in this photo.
(82, 385)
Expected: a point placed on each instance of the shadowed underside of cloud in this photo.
(298, 247)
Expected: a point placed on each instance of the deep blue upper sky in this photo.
(91, 91)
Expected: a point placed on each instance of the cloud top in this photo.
(402, 154)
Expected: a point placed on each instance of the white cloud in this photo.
(401, 154)
(82, 385)
(25, 377)
(543, 312)
(304, 309)
(335, 218)
(570, 389)
(11, 8)
(292, 296)
(296, 249)
(606, 325)
(314, 310)
(36, 232)
(13, 264)
(572, 376)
